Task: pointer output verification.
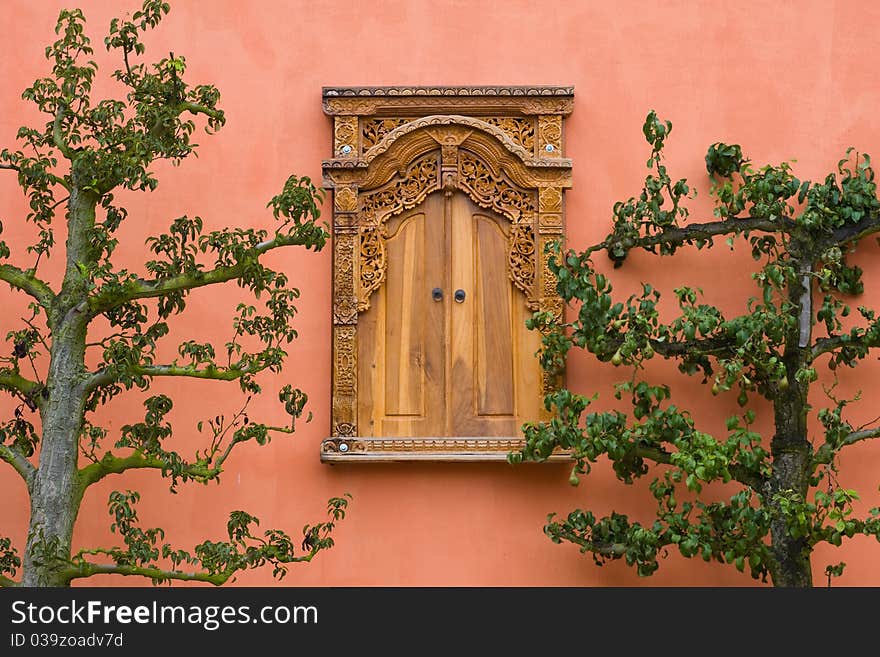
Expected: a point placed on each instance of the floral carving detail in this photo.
(346, 199)
(341, 443)
(521, 259)
(345, 306)
(550, 223)
(494, 192)
(551, 199)
(345, 136)
(344, 380)
(344, 444)
(356, 106)
(562, 106)
(343, 430)
(521, 130)
(550, 302)
(366, 101)
(457, 121)
(372, 256)
(374, 129)
(550, 136)
(402, 193)
(345, 361)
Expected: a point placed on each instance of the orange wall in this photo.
(786, 80)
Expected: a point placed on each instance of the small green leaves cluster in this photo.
(731, 532)
(26, 344)
(743, 351)
(146, 553)
(140, 544)
(298, 200)
(828, 518)
(846, 197)
(659, 432)
(38, 183)
(147, 438)
(19, 434)
(10, 562)
(847, 347)
(766, 192)
(658, 206)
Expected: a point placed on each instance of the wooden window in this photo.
(444, 201)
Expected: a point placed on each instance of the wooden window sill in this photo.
(357, 449)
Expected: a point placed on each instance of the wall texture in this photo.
(785, 80)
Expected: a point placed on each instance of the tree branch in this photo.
(212, 372)
(858, 436)
(703, 231)
(18, 461)
(194, 108)
(111, 464)
(57, 136)
(87, 569)
(856, 231)
(826, 451)
(713, 346)
(826, 345)
(27, 282)
(739, 472)
(203, 470)
(829, 344)
(704, 346)
(55, 179)
(610, 550)
(143, 289)
(19, 384)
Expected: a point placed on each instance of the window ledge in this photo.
(357, 449)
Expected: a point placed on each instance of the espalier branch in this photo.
(788, 495)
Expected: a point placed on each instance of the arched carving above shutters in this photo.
(500, 146)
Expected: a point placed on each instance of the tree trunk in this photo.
(791, 473)
(790, 448)
(56, 492)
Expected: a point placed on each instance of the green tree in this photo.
(85, 152)
(788, 498)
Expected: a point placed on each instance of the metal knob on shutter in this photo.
(437, 294)
(459, 296)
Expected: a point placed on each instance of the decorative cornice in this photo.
(372, 92)
(421, 101)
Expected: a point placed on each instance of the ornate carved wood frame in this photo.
(392, 146)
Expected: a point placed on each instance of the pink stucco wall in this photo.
(785, 80)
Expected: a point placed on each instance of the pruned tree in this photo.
(788, 496)
(70, 168)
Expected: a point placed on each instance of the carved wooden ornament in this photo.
(502, 148)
